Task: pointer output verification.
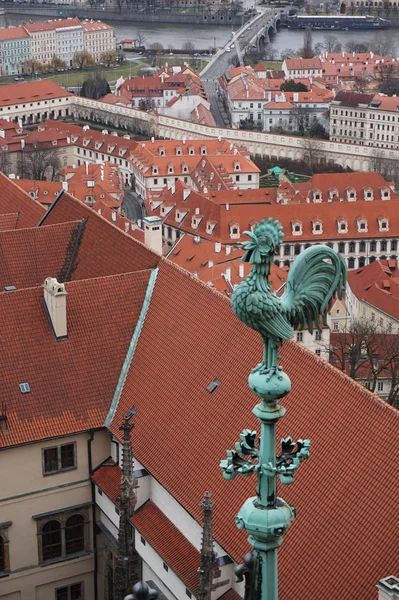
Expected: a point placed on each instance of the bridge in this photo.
(255, 31)
(274, 146)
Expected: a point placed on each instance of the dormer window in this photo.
(368, 194)
(317, 196)
(361, 225)
(179, 151)
(296, 227)
(170, 169)
(317, 227)
(85, 142)
(383, 224)
(351, 195)
(54, 142)
(185, 169)
(191, 150)
(155, 170)
(237, 166)
(234, 230)
(333, 193)
(195, 221)
(162, 152)
(203, 149)
(342, 226)
(210, 227)
(385, 194)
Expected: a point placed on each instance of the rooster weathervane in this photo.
(315, 278)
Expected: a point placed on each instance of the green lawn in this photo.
(75, 78)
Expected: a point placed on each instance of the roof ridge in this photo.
(132, 348)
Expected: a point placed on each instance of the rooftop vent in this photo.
(213, 385)
(24, 388)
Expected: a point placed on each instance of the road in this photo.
(132, 206)
(223, 60)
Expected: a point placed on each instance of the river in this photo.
(203, 36)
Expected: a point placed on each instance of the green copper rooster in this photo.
(315, 278)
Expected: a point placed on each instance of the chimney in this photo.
(65, 186)
(153, 233)
(3, 134)
(22, 144)
(210, 263)
(227, 207)
(87, 168)
(388, 588)
(228, 250)
(241, 270)
(218, 247)
(102, 172)
(55, 299)
(228, 274)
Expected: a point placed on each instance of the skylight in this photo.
(24, 388)
(213, 385)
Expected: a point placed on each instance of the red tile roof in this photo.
(28, 256)
(13, 33)
(72, 381)
(19, 93)
(378, 285)
(104, 249)
(108, 479)
(167, 540)
(331, 525)
(9, 221)
(13, 199)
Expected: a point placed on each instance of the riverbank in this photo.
(111, 15)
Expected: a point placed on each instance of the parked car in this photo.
(227, 50)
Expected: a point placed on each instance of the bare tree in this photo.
(307, 51)
(331, 43)
(39, 162)
(83, 58)
(5, 161)
(301, 117)
(141, 40)
(368, 352)
(312, 151)
(188, 47)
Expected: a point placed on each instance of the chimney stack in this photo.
(241, 270)
(55, 299)
(218, 247)
(388, 588)
(153, 233)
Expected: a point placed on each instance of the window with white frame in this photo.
(362, 225)
(299, 336)
(342, 226)
(380, 386)
(296, 228)
(317, 227)
(335, 326)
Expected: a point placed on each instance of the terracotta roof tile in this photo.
(13, 199)
(377, 284)
(97, 258)
(18, 93)
(330, 525)
(72, 381)
(9, 221)
(108, 479)
(28, 256)
(168, 541)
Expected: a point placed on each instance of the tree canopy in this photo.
(95, 86)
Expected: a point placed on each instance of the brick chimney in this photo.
(153, 233)
(388, 588)
(55, 299)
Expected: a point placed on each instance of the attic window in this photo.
(154, 170)
(45, 192)
(317, 228)
(385, 194)
(185, 169)
(368, 195)
(213, 385)
(316, 197)
(170, 169)
(24, 388)
(384, 225)
(162, 151)
(237, 166)
(191, 150)
(203, 150)
(343, 227)
(179, 151)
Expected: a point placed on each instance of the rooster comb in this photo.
(270, 228)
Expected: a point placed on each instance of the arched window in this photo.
(297, 249)
(362, 261)
(351, 246)
(373, 246)
(2, 554)
(51, 540)
(362, 247)
(74, 534)
(341, 247)
(351, 263)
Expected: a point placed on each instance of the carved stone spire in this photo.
(207, 559)
(127, 571)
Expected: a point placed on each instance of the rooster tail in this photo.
(316, 277)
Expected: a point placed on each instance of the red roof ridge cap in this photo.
(108, 277)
